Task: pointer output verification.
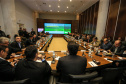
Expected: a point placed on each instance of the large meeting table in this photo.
(104, 60)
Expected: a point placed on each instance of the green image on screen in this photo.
(57, 28)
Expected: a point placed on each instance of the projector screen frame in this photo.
(57, 23)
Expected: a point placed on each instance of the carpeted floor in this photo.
(57, 44)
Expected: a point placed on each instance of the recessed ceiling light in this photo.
(67, 7)
(70, 0)
(49, 5)
(58, 11)
(59, 0)
(58, 6)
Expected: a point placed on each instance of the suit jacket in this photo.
(29, 42)
(119, 51)
(15, 47)
(36, 71)
(106, 46)
(71, 65)
(88, 40)
(96, 44)
(32, 32)
(6, 71)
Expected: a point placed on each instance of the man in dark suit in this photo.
(29, 41)
(20, 32)
(5, 42)
(35, 39)
(38, 72)
(2, 34)
(32, 32)
(106, 44)
(117, 48)
(71, 64)
(17, 45)
(6, 68)
(88, 40)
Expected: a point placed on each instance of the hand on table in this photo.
(12, 55)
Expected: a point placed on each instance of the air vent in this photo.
(44, 3)
(72, 5)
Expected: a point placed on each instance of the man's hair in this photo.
(3, 40)
(30, 52)
(3, 48)
(95, 38)
(15, 35)
(72, 47)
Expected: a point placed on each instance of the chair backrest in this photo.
(119, 63)
(25, 81)
(87, 76)
(111, 74)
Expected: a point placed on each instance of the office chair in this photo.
(25, 81)
(111, 75)
(89, 78)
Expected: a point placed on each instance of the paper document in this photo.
(108, 60)
(92, 64)
(49, 62)
(57, 58)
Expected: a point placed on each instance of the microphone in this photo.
(53, 61)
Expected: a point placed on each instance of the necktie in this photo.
(19, 45)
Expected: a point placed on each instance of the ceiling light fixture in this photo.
(67, 7)
(65, 11)
(51, 10)
(58, 11)
(59, 0)
(70, 0)
(58, 6)
(49, 5)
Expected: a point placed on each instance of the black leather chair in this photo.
(111, 75)
(25, 81)
(119, 63)
(88, 78)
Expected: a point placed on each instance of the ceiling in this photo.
(59, 6)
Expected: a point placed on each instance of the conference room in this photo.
(63, 41)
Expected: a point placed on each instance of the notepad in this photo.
(17, 55)
(40, 51)
(92, 64)
(83, 50)
(50, 51)
(38, 60)
(108, 60)
(57, 58)
(49, 62)
(63, 51)
(120, 57)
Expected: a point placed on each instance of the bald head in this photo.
(117, 43)
(105, 40)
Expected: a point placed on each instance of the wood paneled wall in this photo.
(74, 24)
(115, 26)
(88, 20)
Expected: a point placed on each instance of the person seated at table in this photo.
(17, 45)
(117, 48)
(71, 64)
(5, 42)
(106, 44)
(29, 41)
(77, 37)
(7, 70)
(95, 42)
(38, 72)
(88, 40)
(35, 38)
